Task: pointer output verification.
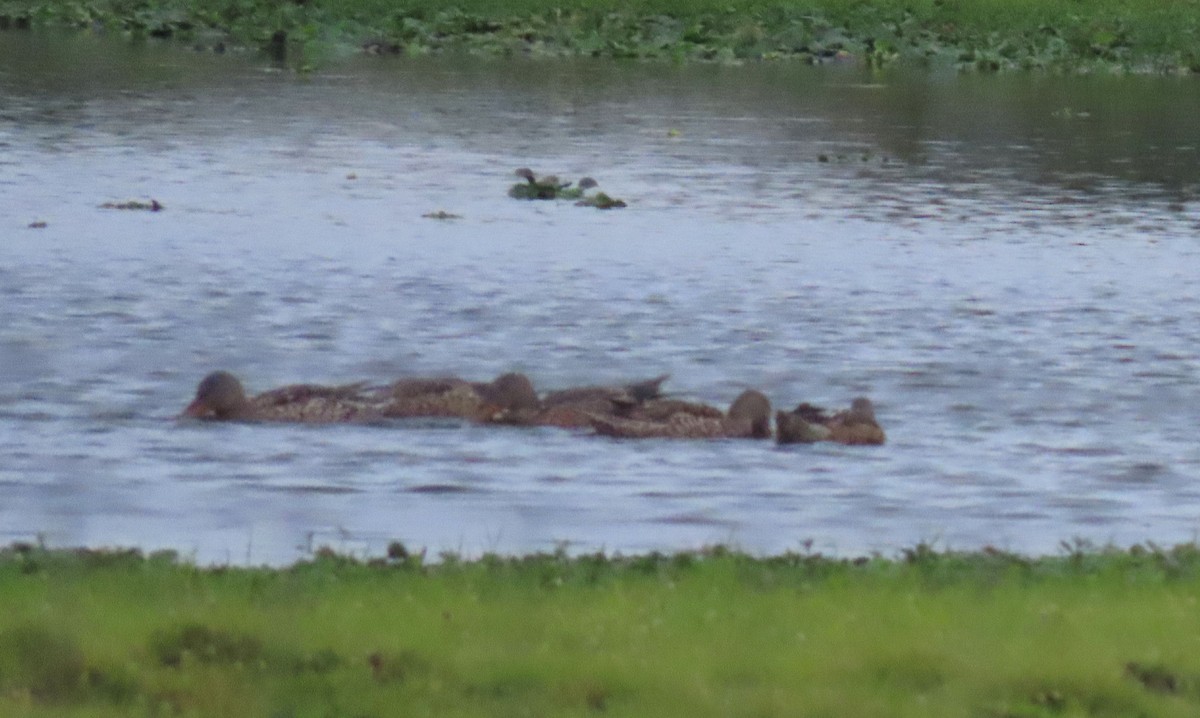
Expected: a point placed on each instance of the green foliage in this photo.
(205, 645)
(48, 667)
(1088, 632)
(984, 35)
(550, 187)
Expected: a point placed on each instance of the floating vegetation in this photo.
(551, 187)
(441, 214)
(601, 201)
(134, 204)
(854, 157)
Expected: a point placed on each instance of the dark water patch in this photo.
(772, 495)
(1095, 507)
(1081, 451)
(310, 489)
(442, 489)
(112, 419)
(1017, 516)
(692, 519)
(554, 479)
(1146, 472)
(658, 494)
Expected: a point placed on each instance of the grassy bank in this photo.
(985, 35)
(1087, 633)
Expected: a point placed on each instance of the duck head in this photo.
(508, 397)
(861, 410)
(219, 396)
(755, 408)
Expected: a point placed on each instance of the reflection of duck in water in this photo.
(511, 399)
(220, 396)
(749, 417)
(807, 424)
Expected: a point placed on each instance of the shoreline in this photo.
(971, 35)
(1076, 555)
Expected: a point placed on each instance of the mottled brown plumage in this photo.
(511, 399)
(792, 428)
(748, 417)
(572, 408)
(431, 397)
(220, 396)
(636, 392)
(508, 399)
(664, 409)
(807, 424)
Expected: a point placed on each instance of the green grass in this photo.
(1088, 633)
(984, 35)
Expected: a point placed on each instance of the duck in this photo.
(512, 399)
(806, 424)
(221, 397)
(508, 399)
(663, 408)
(534, 187)
(749, 417)
(447, 396)
(637, 392)
(570, 407)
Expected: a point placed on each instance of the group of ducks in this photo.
(634, 411)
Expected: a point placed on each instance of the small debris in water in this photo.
(151, 206)
(441, 214)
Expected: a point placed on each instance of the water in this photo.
(1007, 266)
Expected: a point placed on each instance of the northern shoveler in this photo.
(573, 407)
(637, 392)
(433, 397)
(511, 399)
(220, 396)
(748, 417)
(807, 424)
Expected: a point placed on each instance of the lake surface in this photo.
(1008, 266)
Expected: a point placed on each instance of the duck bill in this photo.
(490, 412)
(196, 410)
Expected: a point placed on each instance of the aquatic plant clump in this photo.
(976, 35)
(549, 187)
